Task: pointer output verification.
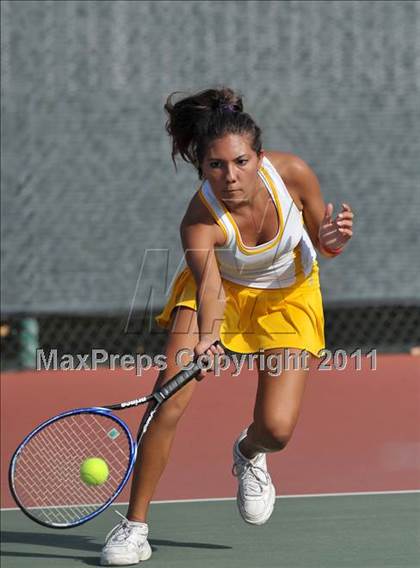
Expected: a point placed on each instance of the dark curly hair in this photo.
(195, 121)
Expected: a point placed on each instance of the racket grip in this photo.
(177, 382)
(181, 378)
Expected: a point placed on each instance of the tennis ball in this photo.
(94, 471)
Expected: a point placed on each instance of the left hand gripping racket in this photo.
(44, 473)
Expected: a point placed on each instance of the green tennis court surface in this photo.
(362, 531)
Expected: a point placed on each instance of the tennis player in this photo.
(250, 235)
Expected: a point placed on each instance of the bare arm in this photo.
(199, 236)
(199, 251)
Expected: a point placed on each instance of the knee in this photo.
(275, 436)
(170, 413)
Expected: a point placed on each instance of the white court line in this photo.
(285, 496)
(209, 500)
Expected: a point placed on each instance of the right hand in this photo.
(205, 347)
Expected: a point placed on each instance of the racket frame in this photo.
(103, 411)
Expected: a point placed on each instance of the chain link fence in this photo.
(385, 329)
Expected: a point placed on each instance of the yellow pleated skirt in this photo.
(258, 319)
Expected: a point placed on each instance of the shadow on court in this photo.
(157, 543)
(54, 541)
(76, 542)
(47, 539)
(85, 543)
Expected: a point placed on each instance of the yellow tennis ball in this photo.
(94, 471)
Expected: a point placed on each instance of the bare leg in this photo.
(276, 410)
(157, 442)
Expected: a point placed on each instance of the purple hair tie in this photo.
(228, 107)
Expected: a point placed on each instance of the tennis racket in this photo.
(44, 473)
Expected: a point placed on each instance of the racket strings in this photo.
(51, 444)
(47, 472)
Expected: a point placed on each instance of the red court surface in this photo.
(358, 430)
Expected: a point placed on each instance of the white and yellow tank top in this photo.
(285, 260)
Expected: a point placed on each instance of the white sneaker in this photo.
(126, 544)
(256, 493)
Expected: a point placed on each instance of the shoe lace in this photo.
(253, 477)
(123, 532)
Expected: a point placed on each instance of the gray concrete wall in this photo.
(87, 180)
